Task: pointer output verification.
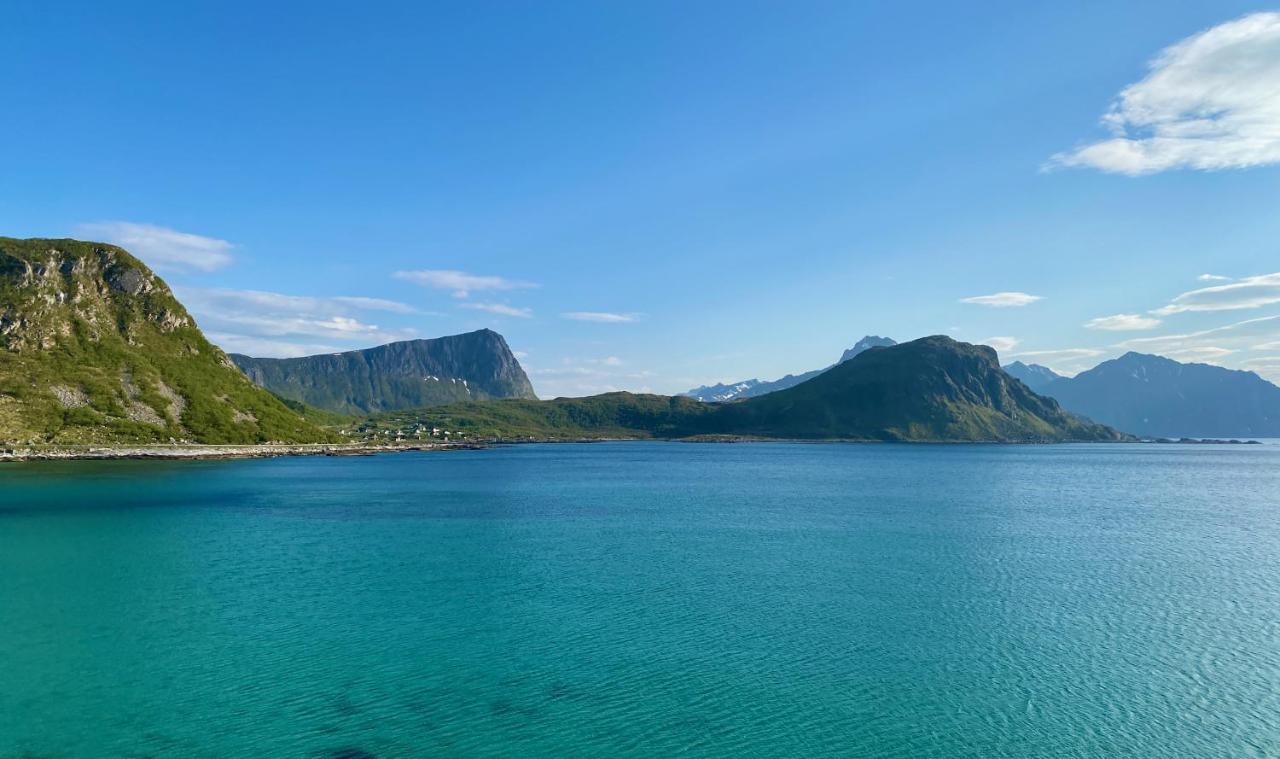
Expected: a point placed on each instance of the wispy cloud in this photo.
(295, 304)
(603, 317)
(499, 309)
(1239, 335)
(260, 320)
(1002, 344)
(1123, 323)
(1250, 292)
(1213, 278)
(1060, 353)
(332, 327)
(1206, 354)
(375, 304)
(588, 376)
(1267, 367)
(252, 345)
(460, 282)
(1003, 300)
(1209, 102)
(161, 247)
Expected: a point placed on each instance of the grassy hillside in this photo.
(94, 348)
(613, 415)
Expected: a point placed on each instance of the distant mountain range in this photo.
(468, 367)
(932, 389)
(753, 387)
(1153, 396)
(1034, 376)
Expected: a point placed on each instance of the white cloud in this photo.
(259, 321)
(588, 376)
(1267, 367)
(1003, 300)
(277, 325)
(1209, 102)
(263, 300)
(1002, 344)
(161, 247)
(375, 304)
(1250, 292)
(1213, 278)
(603, 317)
(1061, 353)
(251, 345)
(1123, 322)
(500, 309)
(462, 283)
(1234, 336)
(1206, 354)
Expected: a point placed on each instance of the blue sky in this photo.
(659, 195)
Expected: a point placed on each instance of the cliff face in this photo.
(410, 374)
(94, 348)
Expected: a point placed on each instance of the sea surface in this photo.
(647, 599)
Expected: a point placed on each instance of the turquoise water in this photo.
(647, 599)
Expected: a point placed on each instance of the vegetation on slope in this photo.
(612, 415)
(94, 348)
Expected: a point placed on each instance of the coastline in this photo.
(198, 452)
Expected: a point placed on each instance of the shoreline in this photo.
(199, 452)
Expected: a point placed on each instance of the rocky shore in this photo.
(196, 452)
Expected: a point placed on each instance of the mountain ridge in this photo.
(476, 365)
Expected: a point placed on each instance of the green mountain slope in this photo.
(612, 415)
(94, 348)
(473, 366)
(932, 389)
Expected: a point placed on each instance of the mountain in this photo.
(472, 366)
(1034, 376)
(870, 341)
(932, 389)
(94, 348)
(1153, 396)
(753, 388)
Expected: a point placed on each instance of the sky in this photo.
(653, 196)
